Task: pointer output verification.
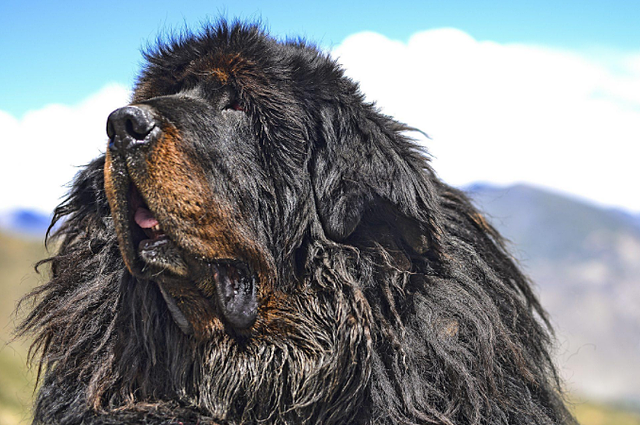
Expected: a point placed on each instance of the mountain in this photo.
(585, 263)
(25, 222)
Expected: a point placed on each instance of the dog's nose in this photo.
(130, 126)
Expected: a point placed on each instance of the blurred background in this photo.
(534, 109)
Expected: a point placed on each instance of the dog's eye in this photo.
(234, 106)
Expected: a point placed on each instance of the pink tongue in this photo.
(144, 218)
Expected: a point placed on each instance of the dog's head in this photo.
(233, 149)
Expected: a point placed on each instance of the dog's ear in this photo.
(365, 168)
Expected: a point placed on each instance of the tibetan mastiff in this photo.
(259, 245)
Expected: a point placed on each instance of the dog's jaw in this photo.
(204, 291)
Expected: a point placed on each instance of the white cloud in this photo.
(510, 113)
(43, 150)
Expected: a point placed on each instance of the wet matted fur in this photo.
(260, 245)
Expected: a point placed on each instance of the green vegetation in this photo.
(17, 277)
(602, 414)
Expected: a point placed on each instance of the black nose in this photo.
(130, 126)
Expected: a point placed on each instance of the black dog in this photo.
(259, 245)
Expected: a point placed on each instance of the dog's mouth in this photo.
(150, 243)
(193, 286)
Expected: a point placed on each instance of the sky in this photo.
(545, 93)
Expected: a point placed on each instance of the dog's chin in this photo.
(201, 293)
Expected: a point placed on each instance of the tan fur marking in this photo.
(479, 220)
(114, 197)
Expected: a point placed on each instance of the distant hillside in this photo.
(24, 222)
(585, 261)
(18, 256)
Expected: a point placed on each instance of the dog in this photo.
(259, 245)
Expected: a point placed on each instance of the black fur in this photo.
(388, 299)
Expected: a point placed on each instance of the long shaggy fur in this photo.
(392, 300)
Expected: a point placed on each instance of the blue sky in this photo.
(61, 51)
(545, 93)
